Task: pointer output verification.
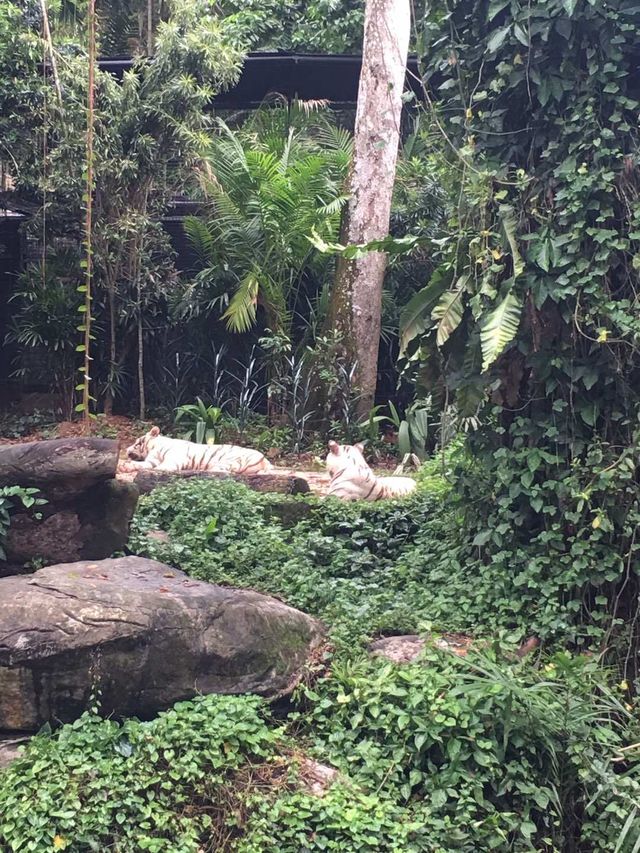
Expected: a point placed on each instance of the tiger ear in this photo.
(334, 447)
(154, 431)
(359, 446)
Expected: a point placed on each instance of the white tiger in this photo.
(157, 451)
(352, 479)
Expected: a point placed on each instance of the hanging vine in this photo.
(85, 327)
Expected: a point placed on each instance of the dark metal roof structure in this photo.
(309, 76)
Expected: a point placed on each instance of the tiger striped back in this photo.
(352, 479)
(174, 455)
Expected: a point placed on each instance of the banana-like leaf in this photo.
(499, 328)
(448, 313)
(414, 318)
(509, 227)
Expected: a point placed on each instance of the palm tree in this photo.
(269, 185)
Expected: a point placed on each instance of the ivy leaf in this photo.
(499, 328)
(495, 7)
(497, 39)
(542, 258)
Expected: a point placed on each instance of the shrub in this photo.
(98, 784)
(341, 562)
(486, 754)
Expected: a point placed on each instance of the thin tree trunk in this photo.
(86, 395)
(49, 42)
(149, 27)
(356, 300)
(143, 407)
(108, 399)
(141, 395)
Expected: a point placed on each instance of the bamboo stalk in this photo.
(86, 397)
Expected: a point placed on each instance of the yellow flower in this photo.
(497, 254)
(624, 685)
(596, 522)
(603, 334)
(469, 113)
(59, 842)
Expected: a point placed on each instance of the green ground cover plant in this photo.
(488, 752)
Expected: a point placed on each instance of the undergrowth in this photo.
(446, 754)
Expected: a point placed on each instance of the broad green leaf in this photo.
(404, 439)
(448, 312)
(495, 7)
(414, 318)
(499, 328)
(509, 227)
(497, 39)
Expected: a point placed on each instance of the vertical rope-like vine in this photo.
(85, 405)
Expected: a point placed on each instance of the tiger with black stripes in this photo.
(353, 480)
(174, 455)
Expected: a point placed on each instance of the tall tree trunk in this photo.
(356, 299)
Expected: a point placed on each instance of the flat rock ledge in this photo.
(406, 648)
(282, 481)
(140, 636)
(86, 513)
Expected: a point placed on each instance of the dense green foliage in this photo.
(10, 498)
(486, 755)
(98, 784)
(445, 754)
(345, 564)
(150, 128)
(529, 323)
(269, 185)
(305, 26)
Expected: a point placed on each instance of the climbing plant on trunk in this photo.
(530, 321)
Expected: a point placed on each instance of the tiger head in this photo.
(140, 448)
(343, 456)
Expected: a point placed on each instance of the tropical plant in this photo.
(202, 419)
(529, 323)
(43, 324)
(414, 430)
(269, 186)
(150, 128)
(10, 497)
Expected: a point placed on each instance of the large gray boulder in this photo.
(140, 636)
(86, 513)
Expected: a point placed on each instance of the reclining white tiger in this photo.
(353, 480)
(157, 451)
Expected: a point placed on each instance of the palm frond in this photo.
(241, 313)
